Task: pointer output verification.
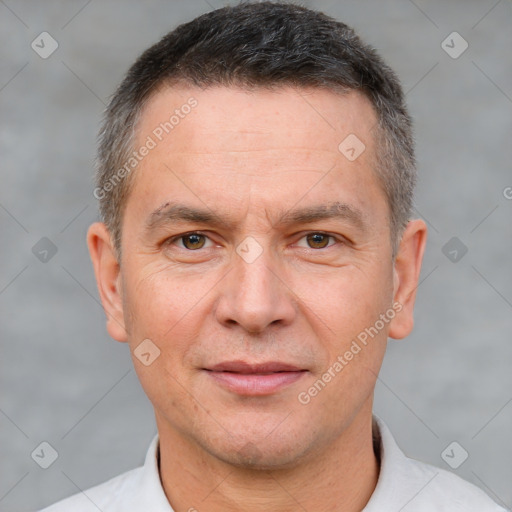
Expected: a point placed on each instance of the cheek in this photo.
(354, 337)
(163, 308)
(160, 301)
(347, 322)
(342, 302)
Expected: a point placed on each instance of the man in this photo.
(255, 178)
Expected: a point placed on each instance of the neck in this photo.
(343, 476)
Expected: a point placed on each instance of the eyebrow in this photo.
(175, 212)
(335, 210)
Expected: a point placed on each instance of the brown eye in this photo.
(318, 240)
(193, 241)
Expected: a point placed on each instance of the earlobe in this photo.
(407, 268)
(107, 272)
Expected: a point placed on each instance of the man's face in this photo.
(262, 285)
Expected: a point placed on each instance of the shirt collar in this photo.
(151, 496)
(395, 467)
(401, 479)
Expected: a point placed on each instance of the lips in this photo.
(245, 378)
(247, 368)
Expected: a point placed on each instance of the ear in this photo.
(108, 278)
(406, 274)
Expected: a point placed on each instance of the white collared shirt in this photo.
(404, 485)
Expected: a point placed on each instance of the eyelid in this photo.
(338, 239)
(175, 238)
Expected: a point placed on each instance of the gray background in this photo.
(63, 380)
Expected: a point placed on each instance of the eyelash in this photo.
(171, 240)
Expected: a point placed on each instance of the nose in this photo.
(255, 295)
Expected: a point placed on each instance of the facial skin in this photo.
(251, 158)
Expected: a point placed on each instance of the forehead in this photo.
(231, 142)
(224, 118)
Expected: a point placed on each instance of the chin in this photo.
(262, 450)
(252, 457)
